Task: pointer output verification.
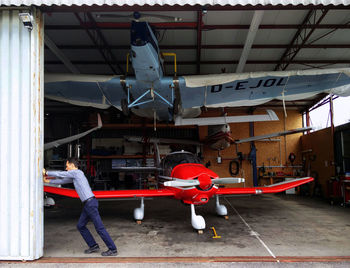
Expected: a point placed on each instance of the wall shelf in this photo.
(118, 156)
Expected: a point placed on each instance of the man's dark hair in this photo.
(74, 161)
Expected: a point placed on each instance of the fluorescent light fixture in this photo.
(27, 20)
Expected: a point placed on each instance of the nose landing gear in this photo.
(197, 221)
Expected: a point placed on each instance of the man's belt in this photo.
(89, 199)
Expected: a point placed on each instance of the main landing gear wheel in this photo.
(124, 105)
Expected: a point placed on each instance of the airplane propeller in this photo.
(175, 182)
(227, 180)
(181, 183)
(142, 17)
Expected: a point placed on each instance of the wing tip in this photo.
(273, 116)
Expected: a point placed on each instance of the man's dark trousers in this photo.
(90, 212)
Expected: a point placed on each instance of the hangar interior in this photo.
(207, 40)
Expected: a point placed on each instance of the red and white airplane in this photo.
(184, 178)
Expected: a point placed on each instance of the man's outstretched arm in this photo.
(61, 177)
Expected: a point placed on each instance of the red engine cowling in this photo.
(199, 194)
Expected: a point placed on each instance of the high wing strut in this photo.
(153, 93)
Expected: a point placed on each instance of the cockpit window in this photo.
(174, 159)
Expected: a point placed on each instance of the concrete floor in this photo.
(266, 225)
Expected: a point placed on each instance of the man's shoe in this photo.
(110, 252)
(92, 249)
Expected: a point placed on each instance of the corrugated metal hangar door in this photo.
(21, 135)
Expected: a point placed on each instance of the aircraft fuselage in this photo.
(145, 56)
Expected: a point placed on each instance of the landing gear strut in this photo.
(139, 213)
(197, 221)
(125, 108)
(221, 210)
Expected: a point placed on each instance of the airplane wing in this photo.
(250, 89)
(273, 188)
(207, 121)
(103, 91)
(272, 135)
(110, 194)
(85, 90)
(59, 142)
(217, 90)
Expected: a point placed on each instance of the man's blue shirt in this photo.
(76, 177)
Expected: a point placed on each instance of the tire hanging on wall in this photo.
(234, 167)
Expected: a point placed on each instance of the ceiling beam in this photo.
(99, 41)
(229, 62)
(233, 46)
(313, 18)
(322, 101)
(60, 55)
(253, 29)
(165, 8)
(193, 25)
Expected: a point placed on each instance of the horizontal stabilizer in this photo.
(207, 121)
(59, 142)
(276, 134)
(270, 189)
(227, 180)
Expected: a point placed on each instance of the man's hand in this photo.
(44, 176)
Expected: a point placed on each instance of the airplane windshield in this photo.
(172, 160)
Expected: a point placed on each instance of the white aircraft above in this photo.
(171, 98)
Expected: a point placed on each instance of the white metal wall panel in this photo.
(172, 2)
(21, 137)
